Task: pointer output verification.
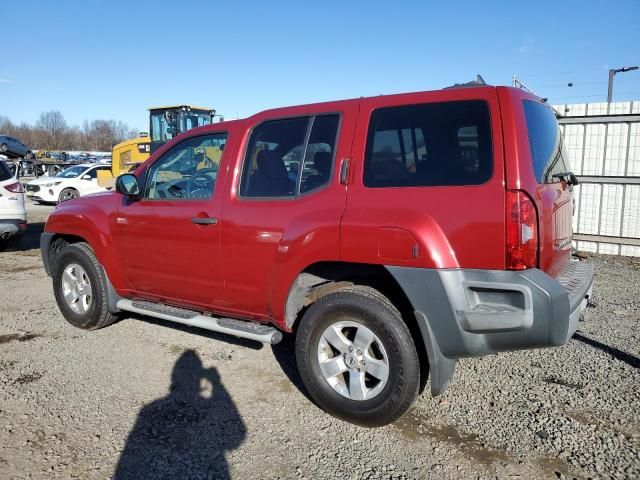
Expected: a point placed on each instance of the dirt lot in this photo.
(143, 399)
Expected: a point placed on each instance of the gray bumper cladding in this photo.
(465, 313)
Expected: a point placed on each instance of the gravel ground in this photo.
(143, 399)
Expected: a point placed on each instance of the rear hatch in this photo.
(548, 184)
(11, 195)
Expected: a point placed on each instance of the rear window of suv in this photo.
(548, 155)
(5, 173)
(434, 144)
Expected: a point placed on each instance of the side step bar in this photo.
(238, 328)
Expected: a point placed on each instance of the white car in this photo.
(13, 216)
(70, 183)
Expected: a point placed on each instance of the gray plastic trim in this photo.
(45, 245)
(112, 296)
(514, 310)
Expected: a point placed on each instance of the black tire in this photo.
(369, 308)
(3, 148)
(97, 314)
(68, 194)
(28, 155)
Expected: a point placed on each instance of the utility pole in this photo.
(612, 73)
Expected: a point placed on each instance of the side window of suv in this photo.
(188, 171)
(548, 154)
(288, 157)
(435, 144)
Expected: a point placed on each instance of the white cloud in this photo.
(5, 81)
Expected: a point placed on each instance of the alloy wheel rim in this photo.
(76, 288)
(353, 360)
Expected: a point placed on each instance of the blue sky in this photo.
(113, 59)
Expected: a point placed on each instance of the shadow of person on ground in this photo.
(185, 434)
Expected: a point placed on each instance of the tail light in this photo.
(15, 187)
(522, 231)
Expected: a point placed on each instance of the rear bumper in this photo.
(464, 313)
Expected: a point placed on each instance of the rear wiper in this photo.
(568, 177)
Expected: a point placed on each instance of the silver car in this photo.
(12, 147)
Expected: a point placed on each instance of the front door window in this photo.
(188, 171)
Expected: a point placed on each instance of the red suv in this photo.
(393, 235)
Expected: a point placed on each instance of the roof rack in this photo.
(478, 82)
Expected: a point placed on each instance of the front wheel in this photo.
(3, 147)
(68, 194)
(357, 358)
(28, 155)
(79, 288)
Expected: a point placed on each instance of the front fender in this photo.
(90, 219)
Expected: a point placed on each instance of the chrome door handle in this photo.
(204, 220)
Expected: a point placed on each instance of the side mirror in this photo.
(127, 184)
(573, 180)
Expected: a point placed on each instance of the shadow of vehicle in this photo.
(29, 240)
(285, 354)
(616, 353)
(186, 433)
(210, 334)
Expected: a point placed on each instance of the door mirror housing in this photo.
(127, 184)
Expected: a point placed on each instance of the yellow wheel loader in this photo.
(164, 123)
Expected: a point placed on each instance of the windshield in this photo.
(166, 124)
(72, 172)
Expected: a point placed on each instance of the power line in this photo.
(596, 95)
(555, 74)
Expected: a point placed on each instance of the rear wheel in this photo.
(28, 155)
(78, 284)
(3, 147)
(68, 194)
(357, 358)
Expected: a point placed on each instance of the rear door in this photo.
(284, 208)
(543, 165)
(426, 187)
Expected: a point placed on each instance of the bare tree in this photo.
(54, 126)
(51, 132)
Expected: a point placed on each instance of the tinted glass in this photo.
(548, 154)
(273, 158)
(429, 145)
(72, 172)
(188, 171)
(93, 173)
(319, 155)
(5, 173)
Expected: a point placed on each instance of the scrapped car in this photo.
(70, 183)
(13, 216)
(14, 148)
(392, 235)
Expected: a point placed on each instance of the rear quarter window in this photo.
(435, 144)
(548, 155)
(5, 173)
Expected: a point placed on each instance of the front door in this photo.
(168, 240)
